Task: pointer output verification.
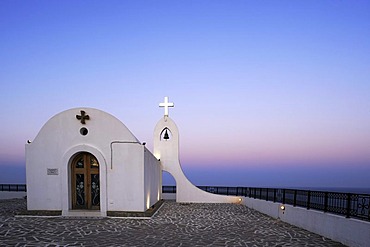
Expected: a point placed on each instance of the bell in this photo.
(166, 137)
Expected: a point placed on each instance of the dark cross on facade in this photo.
(83, 117)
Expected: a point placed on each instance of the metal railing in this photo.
(13, 187)
(350, 205)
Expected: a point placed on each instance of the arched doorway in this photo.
(168, 186)
(85, 182)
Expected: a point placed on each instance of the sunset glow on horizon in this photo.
(275, 88)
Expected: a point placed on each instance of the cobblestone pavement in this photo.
(174, 225)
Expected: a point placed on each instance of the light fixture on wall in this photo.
(29, 141)
(282, 207)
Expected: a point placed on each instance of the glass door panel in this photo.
(85, 182)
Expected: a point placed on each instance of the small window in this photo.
(83, 131)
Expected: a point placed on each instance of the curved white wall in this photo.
(168, 153)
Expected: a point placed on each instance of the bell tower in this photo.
(166, 150)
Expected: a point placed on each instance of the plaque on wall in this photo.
(52, 171)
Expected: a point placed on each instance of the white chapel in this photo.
(84, 159)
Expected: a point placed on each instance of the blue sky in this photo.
(266, 93)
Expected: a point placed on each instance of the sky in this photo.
(266, 93)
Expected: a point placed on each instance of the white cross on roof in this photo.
(166, 104)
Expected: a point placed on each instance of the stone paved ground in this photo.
(173, 225)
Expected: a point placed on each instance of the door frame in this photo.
(66, 174)
(87, 170)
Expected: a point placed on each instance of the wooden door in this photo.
(85, 182)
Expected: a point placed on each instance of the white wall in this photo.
(169, 196)
(134, 182)
(12, 194)
(125, 183)
(152, 179)
(348, 231)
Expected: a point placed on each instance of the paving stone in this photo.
(175, 224)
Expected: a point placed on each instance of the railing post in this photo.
(283, 196)
(348, 211)
(267, 194)
(274, 195)
(295, 198)
(255, 193)
(308, 199)
(227, 190)
(260, 193)
(326, 202)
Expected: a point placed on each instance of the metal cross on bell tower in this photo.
(166, 104)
